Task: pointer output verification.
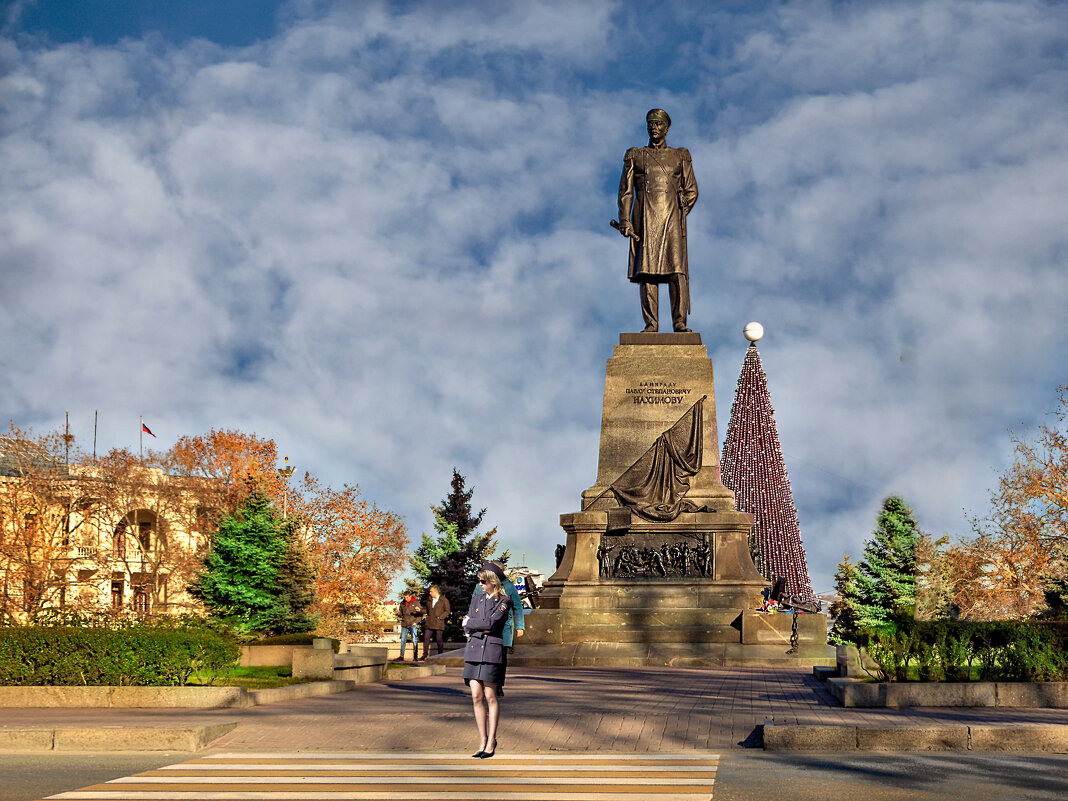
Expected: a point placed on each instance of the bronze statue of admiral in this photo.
(656, 192)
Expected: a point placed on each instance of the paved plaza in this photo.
(545, 710)
(567, 734)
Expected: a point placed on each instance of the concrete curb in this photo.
(125, 697)
(1049, 739)
(113, 738)
(294, 692)
(163, 697)
(409, 673)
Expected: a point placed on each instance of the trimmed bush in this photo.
(947, 650)
(133, 656)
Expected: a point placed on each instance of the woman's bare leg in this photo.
(477, 697)
(494, 710)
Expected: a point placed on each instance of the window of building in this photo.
(118, 541)
(117, 588)
(141, 600)
(144, 536)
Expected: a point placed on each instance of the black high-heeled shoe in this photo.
(478, 755)
(488, 754)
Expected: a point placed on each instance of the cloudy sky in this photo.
(378, 233)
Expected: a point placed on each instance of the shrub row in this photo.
(955, 650)
(137, 655)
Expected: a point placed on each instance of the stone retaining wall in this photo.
(355, 662)
(896, 695)
(126, 697)
(760, 628)
(163, 697)
(1048, 739)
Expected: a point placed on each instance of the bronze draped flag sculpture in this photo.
(655, 486)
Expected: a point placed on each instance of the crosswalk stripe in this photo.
(436, 766)
(531, 759)
(430, 777)
(395, 756)
(453, 773)
(407, 795)
(435, 780)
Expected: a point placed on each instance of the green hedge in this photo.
(137, 655)
(955, 651)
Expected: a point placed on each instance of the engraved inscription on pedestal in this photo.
(645, 556)
(662, 393)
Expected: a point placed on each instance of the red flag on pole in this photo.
(146, 429)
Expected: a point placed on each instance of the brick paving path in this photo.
(545, 709)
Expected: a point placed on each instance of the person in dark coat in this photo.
(484, 660)
(514, 625)
(410, 613)
(437, 612)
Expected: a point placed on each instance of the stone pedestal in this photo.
(651, 381)
(633, 592)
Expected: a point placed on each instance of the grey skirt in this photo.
(486, 672)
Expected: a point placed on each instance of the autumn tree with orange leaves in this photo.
(37, 527)
(356, 547)
(1023, 541)
(223, 460)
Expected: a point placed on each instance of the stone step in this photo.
(674, 654)
(660, 595)
(637, 633)
(651, 618)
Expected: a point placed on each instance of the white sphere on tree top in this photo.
(753, 331)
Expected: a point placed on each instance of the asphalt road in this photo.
(28, 777)
(753, 776)
(804, 776)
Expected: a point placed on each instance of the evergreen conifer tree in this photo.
(886, 581)
(256, 578)
(844, 610)
(452, 558)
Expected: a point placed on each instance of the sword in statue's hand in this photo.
(632, 235)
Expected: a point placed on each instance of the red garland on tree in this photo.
(753, 469)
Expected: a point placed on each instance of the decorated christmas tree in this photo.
(754, 470)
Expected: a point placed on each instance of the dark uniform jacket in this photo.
(485, 627)
(437, 613)
(409, 613)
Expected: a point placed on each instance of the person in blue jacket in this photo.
(513, 627)
(484, 657)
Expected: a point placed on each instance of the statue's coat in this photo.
(656, 191)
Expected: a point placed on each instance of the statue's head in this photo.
(657, 122)
(658, 114)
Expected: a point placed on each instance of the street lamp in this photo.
(286, 472)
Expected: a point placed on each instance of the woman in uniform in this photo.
(484, 660)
